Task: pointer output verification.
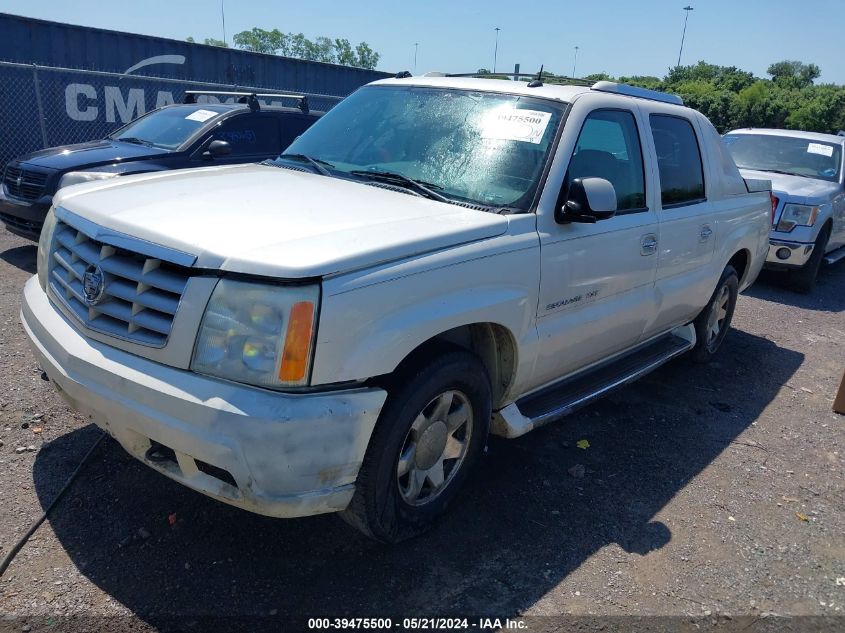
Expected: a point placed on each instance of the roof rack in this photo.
(634, 91)
(249, 98)
(555, 79)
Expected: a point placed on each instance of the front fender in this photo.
(368, 330)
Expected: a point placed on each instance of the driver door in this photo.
(597, 280)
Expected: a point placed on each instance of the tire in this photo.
(712, 325)
(412, 435)
(803, 280)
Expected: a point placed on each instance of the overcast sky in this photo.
(620, 37)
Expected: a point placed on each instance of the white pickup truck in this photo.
(435, 259)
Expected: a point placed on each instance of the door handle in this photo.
(648, 245)
(705, 232)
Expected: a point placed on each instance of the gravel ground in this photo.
(705, 491)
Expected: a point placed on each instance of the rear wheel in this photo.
(804, 279)
(431, 431)
(711, 326)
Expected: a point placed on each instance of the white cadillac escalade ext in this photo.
(435, 259)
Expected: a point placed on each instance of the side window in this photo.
(251, 135)
(609, 147)
(293, 125)
(678, 160)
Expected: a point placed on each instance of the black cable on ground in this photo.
(22, 541)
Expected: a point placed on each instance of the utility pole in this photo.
(575, 63)
(496, 50)
(223, 16)
(683, 36)
(416, 46)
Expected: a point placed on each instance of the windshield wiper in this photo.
(394, 178)
(775, 171)
(132, 139)
(316, 163)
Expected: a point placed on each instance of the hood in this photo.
(798, 188)
(91, 154)
(263, 220)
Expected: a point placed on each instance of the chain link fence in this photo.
(43, 107)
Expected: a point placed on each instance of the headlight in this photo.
(797, 215)
(76, 177)
(258, 334)
(44, 242)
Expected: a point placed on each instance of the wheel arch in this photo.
(493, 343)
(740, 261)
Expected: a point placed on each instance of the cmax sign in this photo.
(84, 102)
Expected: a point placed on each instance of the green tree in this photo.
(367, 57)
(320, 49)
(344, 55)
(794, 73)
(209, 41)
(258, 40)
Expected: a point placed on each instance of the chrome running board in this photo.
(570, 394)
(834, 256)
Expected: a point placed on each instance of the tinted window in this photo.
(790, 154)
(609, 147)
(293, 126)
(251, 135)
(678, 159)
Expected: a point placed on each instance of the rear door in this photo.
(686, 226)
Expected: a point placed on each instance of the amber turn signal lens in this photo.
(297, 342)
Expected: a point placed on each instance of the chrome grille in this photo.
(140, 294)
(24, 184)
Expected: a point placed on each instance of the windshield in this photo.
(168, 128)
(478, 147)
(786, 154)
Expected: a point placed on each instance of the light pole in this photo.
(686, 17)
(496, 50)
(416, 46)
(223, 17)
(575, 63)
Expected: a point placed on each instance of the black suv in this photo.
(170, 137)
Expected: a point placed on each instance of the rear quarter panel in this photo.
(742, 220)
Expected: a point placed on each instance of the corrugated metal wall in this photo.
(45, 43)
(64, 84)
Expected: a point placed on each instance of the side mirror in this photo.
(216, 149)
(589, 200)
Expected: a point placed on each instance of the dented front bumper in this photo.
(278, 454)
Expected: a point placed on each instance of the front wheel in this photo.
(803, 280)
(711, 326)
(431, 431)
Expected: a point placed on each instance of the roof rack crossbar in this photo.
(546, 78)
(635, 91)
(250, 98)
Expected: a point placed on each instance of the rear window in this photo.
(678, 160)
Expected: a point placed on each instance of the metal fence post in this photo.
(39, 105)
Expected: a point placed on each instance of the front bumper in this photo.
(22, 217)
(282, 455)
(799, 254)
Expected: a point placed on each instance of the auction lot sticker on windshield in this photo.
(818, 148)
(200, 115)
(512, 124)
